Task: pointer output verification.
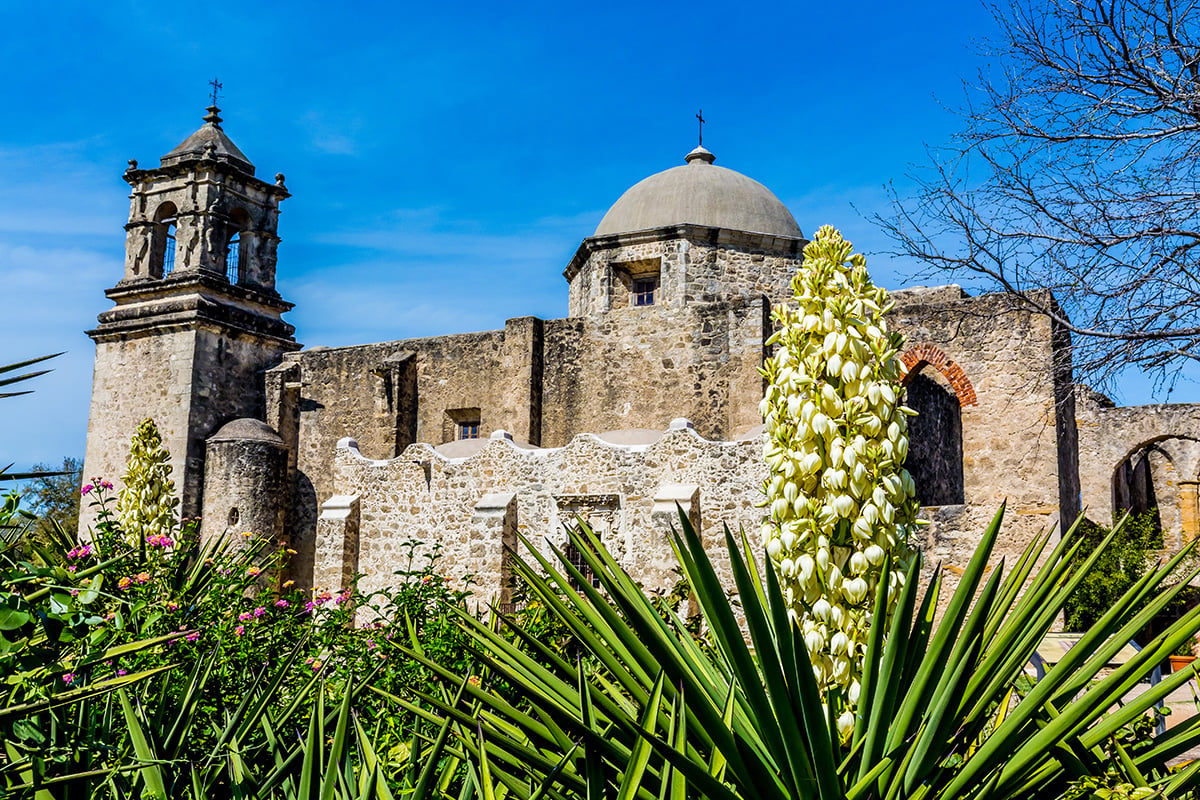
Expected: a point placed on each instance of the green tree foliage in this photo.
(1118, 567)
(54, 496)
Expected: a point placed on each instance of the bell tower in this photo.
(196, 318)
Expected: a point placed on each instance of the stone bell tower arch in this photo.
(196, 318)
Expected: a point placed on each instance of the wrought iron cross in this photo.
(700, 116)
(216, 84)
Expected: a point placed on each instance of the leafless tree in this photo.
(1078, 169)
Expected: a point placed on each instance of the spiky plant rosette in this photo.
(839, 498)
(146, 503)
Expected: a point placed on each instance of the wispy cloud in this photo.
(416, 272)
(332, 134)
(60, 246)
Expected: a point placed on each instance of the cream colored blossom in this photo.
(839, 499)
(146, 503)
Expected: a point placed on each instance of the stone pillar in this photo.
(336, 560)
(522, 411)
(1189, 511)
(245, 484)
(493, 540)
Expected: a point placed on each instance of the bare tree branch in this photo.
(1078, 170)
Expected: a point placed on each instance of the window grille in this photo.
(468, 430)
(643, 291)
(575, 558)
(232, 252)
(169, 248)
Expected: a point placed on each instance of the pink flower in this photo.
(254, 572)
(105, 485)
(258, 612)
(87, 487)
(281, 603)
(124, 583)
(193, 636)
(121, 672)
(142, 577)
(245, 615)
(68, 678)
(172, 605)
(239, 630)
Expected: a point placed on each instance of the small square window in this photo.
(643, 291)
(468, 429)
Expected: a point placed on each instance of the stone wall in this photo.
(629, 491)
(696, 265)
(1168, 435)
(135, 378)
(642, 367)
(1006, 364)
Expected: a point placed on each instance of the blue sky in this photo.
(445, 159)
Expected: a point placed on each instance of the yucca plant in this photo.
(946, 710)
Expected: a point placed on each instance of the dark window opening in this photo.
(575, 558)
(935, 455)
(232, 255)
(644, 290)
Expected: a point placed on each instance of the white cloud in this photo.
(60, 247)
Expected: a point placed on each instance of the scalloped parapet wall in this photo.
(469, 510)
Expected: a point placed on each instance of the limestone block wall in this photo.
(134, 378)
(697, 265)
(1169, 434)
(461, 503)
(1018, 437)
(642, 367)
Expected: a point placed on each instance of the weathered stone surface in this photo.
(671, 387)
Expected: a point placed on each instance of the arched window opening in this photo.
(1134, 488)
(162, 245)
(239, 221)
(232, 254)
(935, 452)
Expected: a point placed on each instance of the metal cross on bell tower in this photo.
(700, 117)
(216, 87)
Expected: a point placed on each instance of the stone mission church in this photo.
(645, 396)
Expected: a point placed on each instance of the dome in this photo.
(246, 429)
(699, 193)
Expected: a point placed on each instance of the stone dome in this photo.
(246, 429)
(699, 193)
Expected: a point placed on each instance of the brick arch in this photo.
(916, 357)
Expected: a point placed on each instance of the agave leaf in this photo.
(152, 778)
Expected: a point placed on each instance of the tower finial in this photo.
(213, 115)
(699, 116)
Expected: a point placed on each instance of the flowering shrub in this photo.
(839, 498)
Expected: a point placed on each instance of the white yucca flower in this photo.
(838, 496)
(146, 504)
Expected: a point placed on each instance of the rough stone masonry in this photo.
(640, 403)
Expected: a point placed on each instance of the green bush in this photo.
(1116, 568)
